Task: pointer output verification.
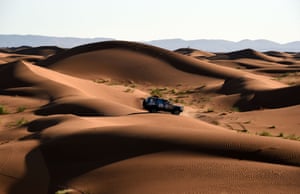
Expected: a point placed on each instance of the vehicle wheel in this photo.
(176, 112)
(152, 110)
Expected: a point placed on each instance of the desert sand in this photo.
(71, 120)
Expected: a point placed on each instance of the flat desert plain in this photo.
(71, 120)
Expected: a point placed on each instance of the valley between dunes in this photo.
(71, 120)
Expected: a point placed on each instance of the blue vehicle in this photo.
(154, 104)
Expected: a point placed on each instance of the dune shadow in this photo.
(36, 127)
(36, 178)
(76, 154)
(41, 124)
(68, 108)
(277, 98)
(65, 158)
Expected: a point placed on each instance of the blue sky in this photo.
(277, 20)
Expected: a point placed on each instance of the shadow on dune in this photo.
(41, 124)
(233, 86)
(254, 99)
(9, 79)
(250, 54)
(68, 108)
(36, 178)
(277, 98)
(28, 50)
(76, 154)
(41, 50)
(85, 106)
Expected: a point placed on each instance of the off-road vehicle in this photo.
(154, 104)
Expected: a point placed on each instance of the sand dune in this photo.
(141, 61)
(278, 54)
(195, 53)
(134, 55)
(73, 121)
(100, 62)
(252, 54)
(45, 51)
(66, 94)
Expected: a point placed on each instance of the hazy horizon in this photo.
(176, 38)
(141, 20)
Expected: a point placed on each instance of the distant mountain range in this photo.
(171, 44)
(35, 40)
(227, 46)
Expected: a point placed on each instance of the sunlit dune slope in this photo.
(139, 62)
(66, 94)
